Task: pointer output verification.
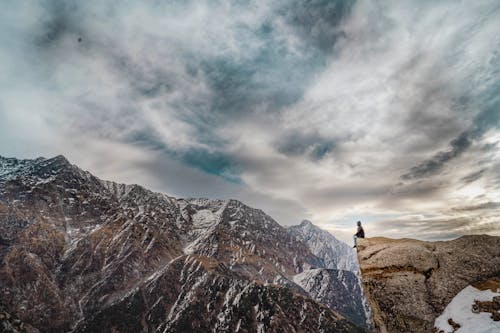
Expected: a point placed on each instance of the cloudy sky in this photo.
(334, 111)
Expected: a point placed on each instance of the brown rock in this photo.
(408, 283)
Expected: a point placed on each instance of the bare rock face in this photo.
(408, 283)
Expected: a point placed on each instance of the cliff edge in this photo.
(409, 283)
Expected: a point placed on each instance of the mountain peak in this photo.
(59, 158)
(305, 223)
(335, 253)
(40, 171)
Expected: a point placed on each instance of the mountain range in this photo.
(80, 254)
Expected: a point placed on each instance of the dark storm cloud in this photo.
(472, 177)
(318, 21)
(486, 98)
(488, 118)
(263, 75)
(443, 227)
(211, 162)
(483, 206)
(274, 76)
(415, 191)
(310, 144)
(57, 22)
(438, 161)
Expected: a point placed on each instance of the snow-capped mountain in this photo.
(334, 253)
(78, 253)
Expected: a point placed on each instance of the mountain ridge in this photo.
(77, 246)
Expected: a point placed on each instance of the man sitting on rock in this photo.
(359, 234)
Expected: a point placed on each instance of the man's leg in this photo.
(355, 237)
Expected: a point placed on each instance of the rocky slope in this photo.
(193, 294)
(340, 290)
(80, 253)
(10, 323)
(409, 283)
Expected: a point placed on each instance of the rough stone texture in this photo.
(11, 324)
(408, 283)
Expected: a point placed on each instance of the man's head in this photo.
(359, 223)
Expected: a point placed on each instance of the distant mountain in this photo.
(338, 284)
(334, 253)
(78, 253)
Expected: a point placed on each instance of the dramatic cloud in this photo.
(437, 162)
(388, 112)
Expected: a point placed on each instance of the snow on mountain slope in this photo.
(204, 221)
(9, 166)
(196, 294)
(338, 289)
(334, 253)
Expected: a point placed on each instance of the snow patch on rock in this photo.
(460, 311)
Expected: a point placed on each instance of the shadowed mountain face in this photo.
(80, 253)
(409, 283)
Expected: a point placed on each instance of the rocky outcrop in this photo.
(408, 283)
